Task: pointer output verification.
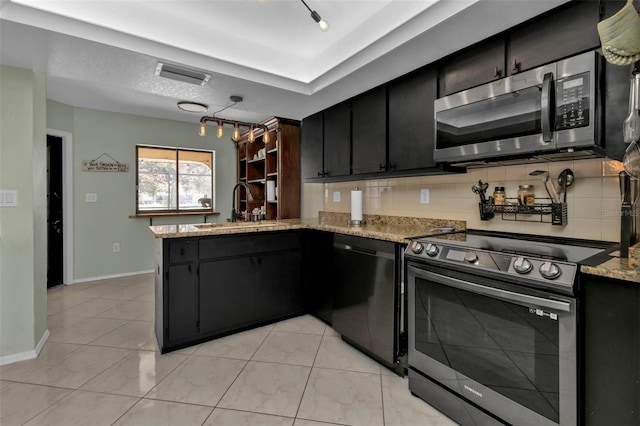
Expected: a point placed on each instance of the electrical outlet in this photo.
(91, 197)
(116, 247)
(336, 196)
(424, 196)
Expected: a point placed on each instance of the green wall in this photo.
(23, 314)
(98, 225)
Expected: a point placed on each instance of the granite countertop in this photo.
(396, 229)
(388, 228)
(618, 268)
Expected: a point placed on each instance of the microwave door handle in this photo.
(545, 107)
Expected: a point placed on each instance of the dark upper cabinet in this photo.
(312, 146)
(369, 137)
(411, 132)
(567, 31)
(479, 64)
(337, 140)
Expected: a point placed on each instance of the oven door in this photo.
(510, 352)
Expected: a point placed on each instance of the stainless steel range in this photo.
(492, 322)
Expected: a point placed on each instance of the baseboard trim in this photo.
(107, 277)
(23, 356)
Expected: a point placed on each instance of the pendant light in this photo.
(220, 132)
(236, 132)
(252, 136)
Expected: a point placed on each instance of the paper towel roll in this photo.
(356, 205)
(271, 190)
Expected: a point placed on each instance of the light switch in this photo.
(336, 196)
(8, 198)
(91, 197)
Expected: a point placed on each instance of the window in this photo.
(174, 180)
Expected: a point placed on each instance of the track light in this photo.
(252, 136)
(324, 25)
(236, 132)
(265, 137)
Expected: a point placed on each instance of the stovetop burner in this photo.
(549, 261)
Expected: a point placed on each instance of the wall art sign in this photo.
(98, 165)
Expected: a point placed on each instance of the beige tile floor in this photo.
(101, 366)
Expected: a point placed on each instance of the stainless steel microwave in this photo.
(545, 110)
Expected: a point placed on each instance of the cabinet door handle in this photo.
(383, 167)
(515, 66)
(189, 267)
(393, 166)
(496, 72)
(182, 251)
(320, 174)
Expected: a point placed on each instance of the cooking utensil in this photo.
(565, 180)
(481, 189)
(548, 185)
(631, 160)
(626, 218)
(625, 187)
(631, 125)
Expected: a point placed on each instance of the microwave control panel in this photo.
(572, 102)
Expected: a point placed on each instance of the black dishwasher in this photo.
(367, 300)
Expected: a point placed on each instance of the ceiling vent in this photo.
(175, 72)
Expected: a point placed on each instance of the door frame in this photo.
(67, 207)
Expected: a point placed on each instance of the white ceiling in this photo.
(102, 54)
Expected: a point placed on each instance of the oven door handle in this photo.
(497, 293)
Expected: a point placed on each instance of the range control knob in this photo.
(431, 250)
(522, 265)
(416, 247)
(550, 270)
(471, 257)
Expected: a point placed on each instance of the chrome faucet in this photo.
(235, 213)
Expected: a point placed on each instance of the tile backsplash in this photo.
(593, 200)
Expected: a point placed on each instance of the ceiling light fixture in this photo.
(192, 106)
(236, 125)
(324, 25)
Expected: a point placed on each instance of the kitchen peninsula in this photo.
(216, 279)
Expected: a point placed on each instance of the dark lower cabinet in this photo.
(317, 267)
(611, 352)
(277, 284)
(226, 294)
(219, 284)
(182, 300)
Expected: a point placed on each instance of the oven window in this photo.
(503, 346)
(506, 116)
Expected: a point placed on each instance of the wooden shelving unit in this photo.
(277, 161)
